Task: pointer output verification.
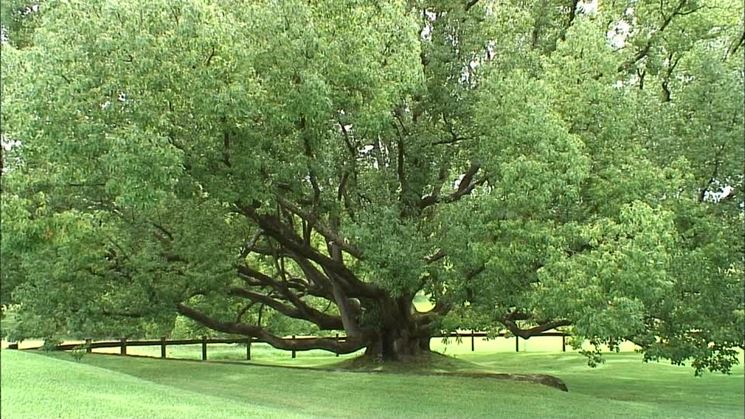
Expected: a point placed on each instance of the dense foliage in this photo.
(524, 165)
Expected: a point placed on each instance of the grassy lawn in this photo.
(672, 390)
(37, 386)
(41, 386)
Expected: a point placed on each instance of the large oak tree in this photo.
(523, 165)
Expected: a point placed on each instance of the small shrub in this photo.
(50, 344)
(79, 352)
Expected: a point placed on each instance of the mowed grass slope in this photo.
(37, 386)
(673, 390)
(623, 387)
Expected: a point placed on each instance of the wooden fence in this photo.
(124, 343)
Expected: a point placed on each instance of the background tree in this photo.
(518, 165)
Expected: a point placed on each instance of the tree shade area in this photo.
(260, 166)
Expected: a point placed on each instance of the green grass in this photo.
(37, 386)
(42, 386)
(672, 390)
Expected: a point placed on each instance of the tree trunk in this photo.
(401, 336)
(398, 344)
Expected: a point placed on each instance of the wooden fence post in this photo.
(163, 347)
(517, 343)
(563, 343)
(248, 349)
(337, 344)
(88, 348)
(473, 342)
(204, 348)
(123, 346)
(293, 347)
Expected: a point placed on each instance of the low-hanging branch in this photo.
(533, 331)
(349, 345)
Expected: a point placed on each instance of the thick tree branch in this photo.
(329, 234)
(714, 174)
(349, 312)
(672, 63)
(470, 4)
(465, 182)
(312, 174)
(245, 309)
(250, 245)
(299, 310)
(287, 237)
(469, 275)
(466, 185)
(321, 285)
(735, 46)
(163, 230)
(255, 278)
(439, 254)
(434, 196)
(349, 345)
(347, 139)
(533, 331)
(570, 21)
(289, 240)
(454, 137)
(284, 288)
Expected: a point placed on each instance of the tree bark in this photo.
(397, 345)
(404, 339)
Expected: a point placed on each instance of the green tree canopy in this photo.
(524, 165)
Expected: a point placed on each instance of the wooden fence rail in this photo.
(124, 343)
